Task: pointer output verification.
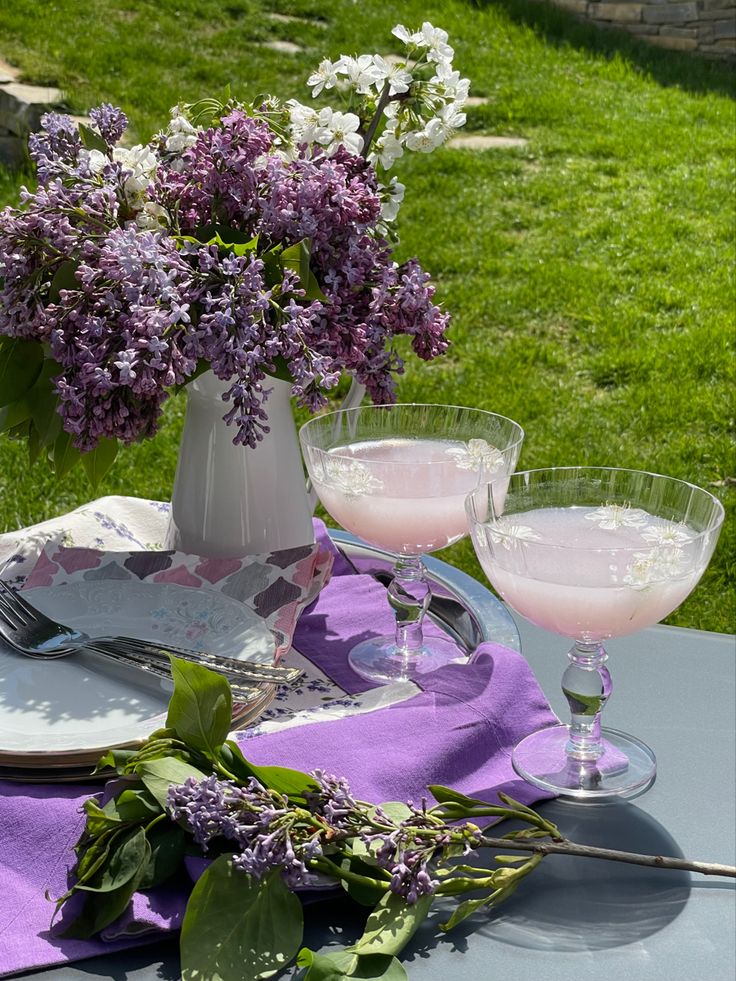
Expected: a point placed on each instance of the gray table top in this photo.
(676, 690)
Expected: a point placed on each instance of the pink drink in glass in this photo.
(593, 573)
(404, 495)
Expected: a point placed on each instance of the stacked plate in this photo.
(57, 717)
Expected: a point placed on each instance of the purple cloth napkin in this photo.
(458, 730)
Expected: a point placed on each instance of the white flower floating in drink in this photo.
(508, 535)
(674, 535)
(477, 454)
(350, 477)
(612, 516)
(657, 565)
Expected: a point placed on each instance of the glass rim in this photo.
(719, 513)
(334, 413)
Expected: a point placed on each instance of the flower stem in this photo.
(323, 864)
(566, 847)
(373, 126)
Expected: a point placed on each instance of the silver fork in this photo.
(35, 634)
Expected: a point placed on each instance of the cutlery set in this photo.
(32, 633)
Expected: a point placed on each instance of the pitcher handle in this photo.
(353, 398)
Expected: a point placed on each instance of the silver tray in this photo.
(460, 604)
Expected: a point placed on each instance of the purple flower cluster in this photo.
(270, 833)
(135, 265)
(263, 827)
(405, 851)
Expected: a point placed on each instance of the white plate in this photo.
(81, 705)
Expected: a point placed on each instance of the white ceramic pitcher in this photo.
(230, 501)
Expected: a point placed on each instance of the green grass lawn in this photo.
(590, 274)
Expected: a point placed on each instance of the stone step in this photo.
(282, 47)
(299, 21)
(21, 106)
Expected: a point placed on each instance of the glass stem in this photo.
(586, 684)
(409, 595)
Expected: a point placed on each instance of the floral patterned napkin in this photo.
(276, 586)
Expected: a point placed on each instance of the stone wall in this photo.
(21, 108)
(705, 26)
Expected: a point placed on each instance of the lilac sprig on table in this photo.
(262, 834)
(250, 238)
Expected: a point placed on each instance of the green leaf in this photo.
(98, 461)
(14, 414)
(21, 431)
(327, 967)
(64, 456)
(447, 794)
(101, 908)
(20, 366)
(280, 370)
(114, 759)
(292, 783)
(200, 709)
(97, 820)
(272, 271)
(225, 237)
(339, 964)
(392, 924)
(43, 402)
(92, 140)
(236, 927)
(297, 257)
(94, 855)
(133, 805)
(64, 279)
(313, 291)
(464, 910)
(158, 775)
(167, 851)
(396, 810)
(123, 864)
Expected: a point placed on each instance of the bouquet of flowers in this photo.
(250, 239)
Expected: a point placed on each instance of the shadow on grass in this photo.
(691, 72)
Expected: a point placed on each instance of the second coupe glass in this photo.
(591, 553)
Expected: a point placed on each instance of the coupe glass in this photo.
(591, 553)
(397, 477)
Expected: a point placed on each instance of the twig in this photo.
(382, 103)
(566, 847)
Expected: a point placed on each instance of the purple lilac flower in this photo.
(250, 816)
(110, 121)
(147, 306)
(56, 148)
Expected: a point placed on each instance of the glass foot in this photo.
(626, 768)
(381, 660)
